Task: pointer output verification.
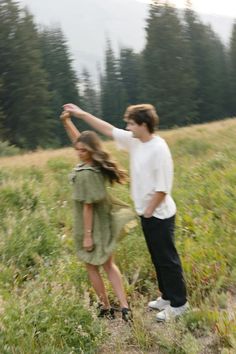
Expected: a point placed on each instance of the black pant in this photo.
(159, 235)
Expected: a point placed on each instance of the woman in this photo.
(97, 220)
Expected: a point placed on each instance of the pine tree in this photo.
(89, 94)
(9, 18)
(130, 72)
(25, 96)
(169, 76)
(3, 132)
(232, 63)
(63, 81)
(113, 97)
(208, 55)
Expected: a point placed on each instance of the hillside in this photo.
(46, 302)
(197, 132)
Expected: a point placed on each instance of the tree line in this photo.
(36, 78)
(184, 70)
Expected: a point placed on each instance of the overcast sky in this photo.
(88, 23)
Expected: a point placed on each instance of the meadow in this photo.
(47, 305)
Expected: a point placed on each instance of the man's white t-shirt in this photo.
(151, 170)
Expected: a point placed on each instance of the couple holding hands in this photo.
(99, 219)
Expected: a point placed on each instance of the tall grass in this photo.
(47, 304)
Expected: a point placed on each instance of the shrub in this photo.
(48, 318)
(26, 242)
(8, 150)
(58, 164)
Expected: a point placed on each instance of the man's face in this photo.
(135, 128)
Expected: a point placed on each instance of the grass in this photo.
(47, 304)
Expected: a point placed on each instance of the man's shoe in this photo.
(171, 312)
(158, 304)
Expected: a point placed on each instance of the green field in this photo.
(47, 305)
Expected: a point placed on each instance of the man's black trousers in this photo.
(159, 235)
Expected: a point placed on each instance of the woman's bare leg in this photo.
(115, 278)
(98, 284)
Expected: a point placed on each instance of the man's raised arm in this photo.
(96, 123)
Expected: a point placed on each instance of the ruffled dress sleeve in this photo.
(88, 186)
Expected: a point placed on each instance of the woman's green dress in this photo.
(109, 215)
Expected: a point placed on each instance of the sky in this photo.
(87, 24)
(217, 7)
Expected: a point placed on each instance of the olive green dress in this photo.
(109, 215)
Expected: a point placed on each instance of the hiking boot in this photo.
(158, 304)
(171, 313)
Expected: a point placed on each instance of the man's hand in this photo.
(73, 109)
(98, 124)
(148, 213)
(155, 201)
(64, 116)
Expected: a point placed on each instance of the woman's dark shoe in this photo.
(107, 313)
(126, 314)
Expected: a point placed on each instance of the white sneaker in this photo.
(172, 312)
(158, 304)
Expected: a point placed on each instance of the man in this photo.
(151, 171)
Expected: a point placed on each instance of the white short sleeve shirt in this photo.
(151, 170)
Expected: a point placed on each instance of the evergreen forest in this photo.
(184, 70)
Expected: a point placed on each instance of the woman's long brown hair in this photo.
(101, 158)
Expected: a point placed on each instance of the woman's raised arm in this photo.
(72, 132)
